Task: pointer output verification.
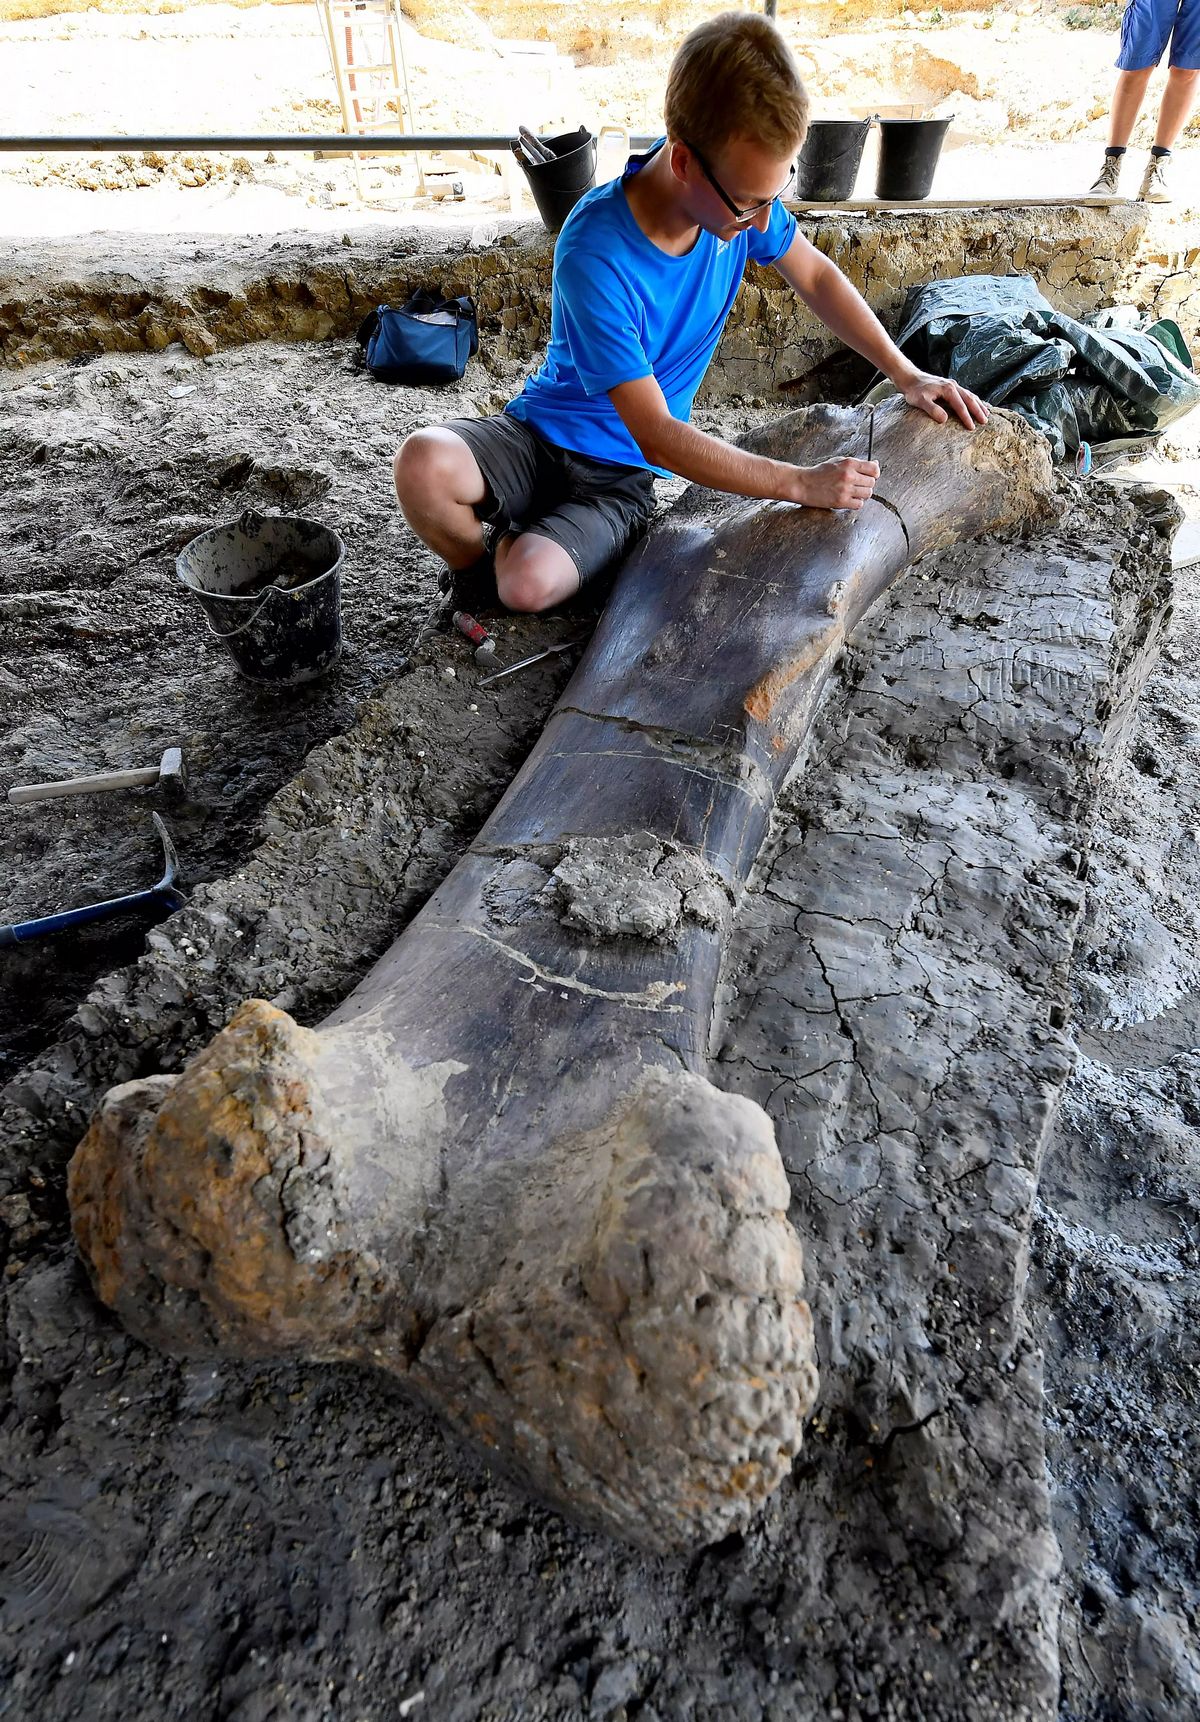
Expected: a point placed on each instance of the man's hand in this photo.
(928, 392)
(826, 291)
(841, 483)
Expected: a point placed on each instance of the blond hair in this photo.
(734, 76)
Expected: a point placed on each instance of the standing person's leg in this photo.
(1183, 80)
(1179, 98)
(1145, 31)
(1127, 101)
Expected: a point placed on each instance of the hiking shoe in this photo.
(470, 588)
(1155, 188)
(1110, 174)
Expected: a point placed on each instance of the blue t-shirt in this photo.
(622, 309)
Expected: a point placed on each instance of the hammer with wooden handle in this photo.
(169, 772)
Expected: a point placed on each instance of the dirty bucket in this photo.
(270, 585)
(558, 185)
(908, 156)
(829, 161)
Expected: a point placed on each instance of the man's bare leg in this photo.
(1179, 98)
(533, 573)
(438, 484)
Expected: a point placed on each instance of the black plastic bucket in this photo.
(829, 160)
(558, 185)
(270, 585)
(908, 157)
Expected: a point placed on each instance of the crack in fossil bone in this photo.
(892, 509)
(651, 999)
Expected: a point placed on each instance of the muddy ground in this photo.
(1115, 1279)
(291, 1542)
(109, 469)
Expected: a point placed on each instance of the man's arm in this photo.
(609, 345)
(843, 310)
(681, 448)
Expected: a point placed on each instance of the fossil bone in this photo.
(498, 1170)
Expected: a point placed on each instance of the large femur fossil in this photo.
(498, 1170)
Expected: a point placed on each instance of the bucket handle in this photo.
(866, 123)
(250, 619)
(621, 133)
(832, 160)
(267, 593)
(250, 521)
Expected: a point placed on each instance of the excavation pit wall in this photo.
(208, 293)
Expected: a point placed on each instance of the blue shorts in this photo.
(1148, 25)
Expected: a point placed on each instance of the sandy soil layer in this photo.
(1019, 123)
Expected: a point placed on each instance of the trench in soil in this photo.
(286, 1477)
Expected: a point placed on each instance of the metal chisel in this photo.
(533, 658)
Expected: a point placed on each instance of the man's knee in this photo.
(526, 590)
(532, 576)
(433, 462)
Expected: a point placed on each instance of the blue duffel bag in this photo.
(425, 340)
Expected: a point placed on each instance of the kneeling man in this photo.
(547, 494)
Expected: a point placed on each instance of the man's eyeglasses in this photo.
(739, 215)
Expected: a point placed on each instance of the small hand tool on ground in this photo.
(169, 772)
(533, 658)
(164, 894)
(470, 629)
(534, 146)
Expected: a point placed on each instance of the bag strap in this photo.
(468, 316)
(423, 303)
(369, 325)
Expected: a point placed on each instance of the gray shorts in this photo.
(592, 509)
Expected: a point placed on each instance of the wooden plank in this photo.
(869, 205)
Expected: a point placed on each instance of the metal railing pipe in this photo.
(340, 142)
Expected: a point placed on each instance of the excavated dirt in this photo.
(1115, 1287)
(108, 470)
(299, 1542)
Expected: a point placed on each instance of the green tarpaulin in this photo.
(1075, 381)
